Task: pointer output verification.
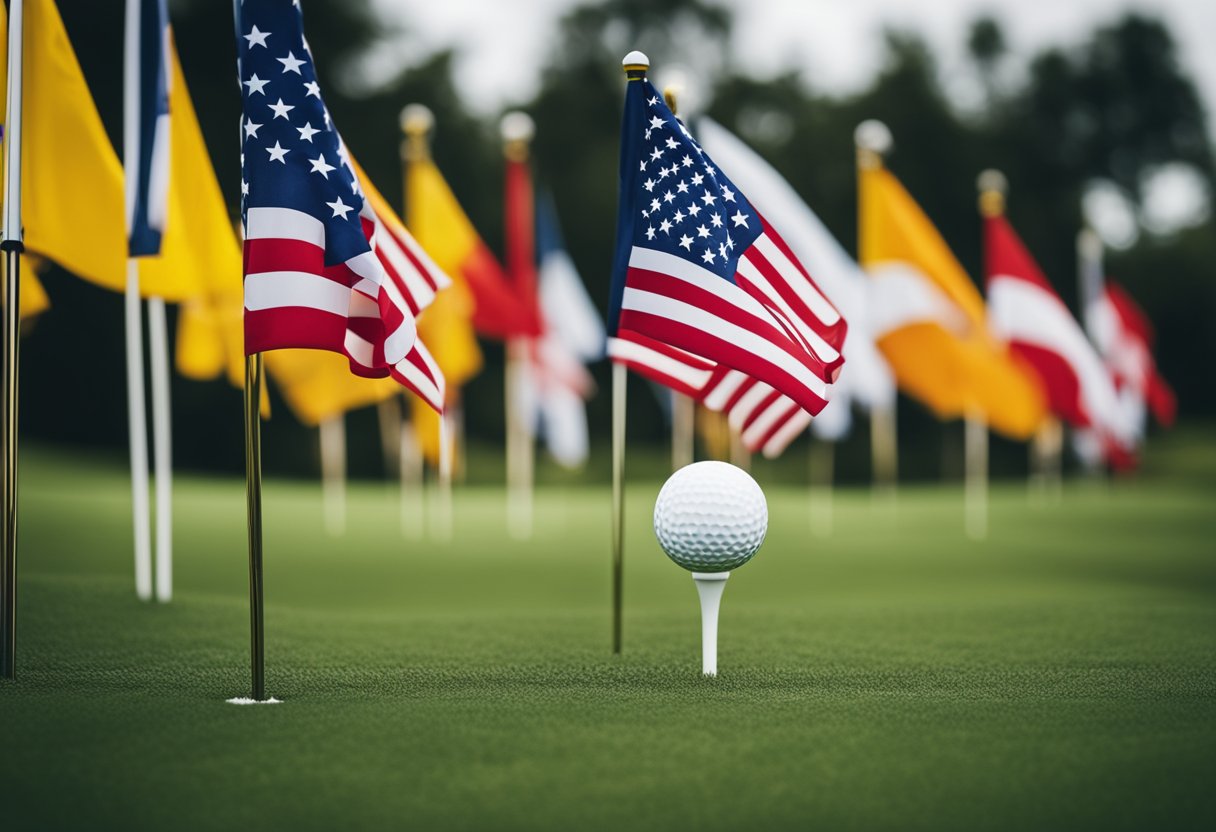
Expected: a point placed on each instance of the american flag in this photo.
(327, 265)
(707, 298)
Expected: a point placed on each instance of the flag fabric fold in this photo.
(706, 296)
(322, 269)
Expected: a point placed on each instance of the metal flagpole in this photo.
(517, 130)
(11, 244)
(619, 380)
(162, 447)
(253, 503)
(872, 139)
(137, 433)
(683, 430)
(635, 65)
(975, 494)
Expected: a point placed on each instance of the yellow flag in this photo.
(930, 317)
(72, 203)
(318, 385)
(441, 227)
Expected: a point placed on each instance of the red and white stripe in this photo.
(363, 308)
(767, 421)
(777, 337)
(669, 299)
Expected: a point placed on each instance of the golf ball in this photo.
(710, 517)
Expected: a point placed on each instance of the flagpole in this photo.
(822, 465)
(619, 380)
(975, 487)
(12, 246)
(416, 122)
(411, 467)
(388, 414)
(1090, 281)
(137, 432)
(872, 139)
(683, 430)
(253, 503)
(441, 522)
(517, 130)
(162, 447)
(635, 65)
(333, 473)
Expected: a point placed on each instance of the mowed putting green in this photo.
(1061, 675)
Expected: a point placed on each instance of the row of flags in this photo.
(738, 301)
(725, 286)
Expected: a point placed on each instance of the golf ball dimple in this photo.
(710, 517)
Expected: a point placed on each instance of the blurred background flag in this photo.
(865, 379)
(573, 337)
(929, 318)
(1025, 311)
(1124, 336)
(523, 368)
(481, 299)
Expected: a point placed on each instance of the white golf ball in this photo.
(710, 517)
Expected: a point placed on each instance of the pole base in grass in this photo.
(245, 700)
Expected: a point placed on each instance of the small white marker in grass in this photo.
(710, 518)
(245, 700)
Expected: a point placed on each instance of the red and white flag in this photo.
(1125, 337)
(1025, 311)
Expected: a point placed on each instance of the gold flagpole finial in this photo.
(992, 186)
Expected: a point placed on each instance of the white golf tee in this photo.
(709, 587)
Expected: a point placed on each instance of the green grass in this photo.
(1061, 675)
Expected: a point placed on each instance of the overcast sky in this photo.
(835, 43)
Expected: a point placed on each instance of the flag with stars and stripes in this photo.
(326, 265)
(146, 125)
(706, 297)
